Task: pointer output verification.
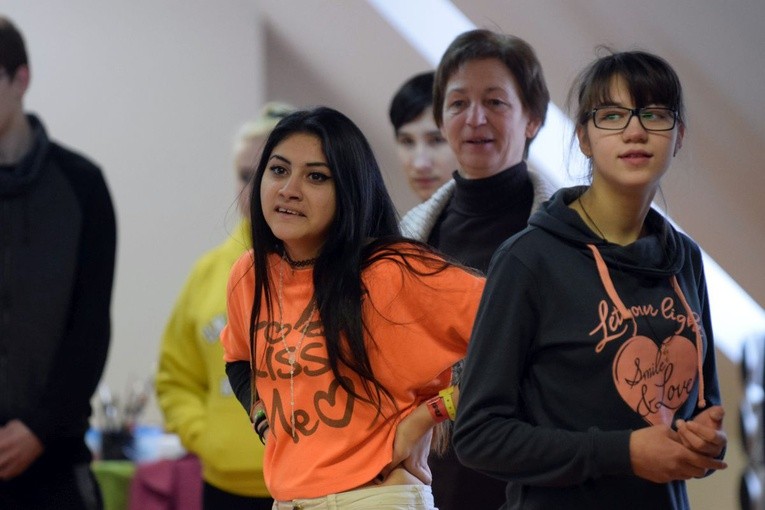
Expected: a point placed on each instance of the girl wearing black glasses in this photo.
(590, 380)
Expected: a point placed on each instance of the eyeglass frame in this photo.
(634, 112)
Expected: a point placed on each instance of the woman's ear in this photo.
(532, 128)
(584, 141)
(21, 79)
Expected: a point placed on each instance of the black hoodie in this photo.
(577, 342)
(57, 252)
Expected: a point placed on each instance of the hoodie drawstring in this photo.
(605, 278)
(608, 284)
(699, 341)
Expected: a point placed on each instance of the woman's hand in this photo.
(415, 455)
(658, 454)
(19, 447)
(704, 434)
(411, 446)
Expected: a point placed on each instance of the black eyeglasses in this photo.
(652, 118)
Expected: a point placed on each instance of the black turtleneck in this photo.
(482, 213)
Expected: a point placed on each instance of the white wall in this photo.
(153, 92)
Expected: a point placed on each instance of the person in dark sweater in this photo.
(590, 380)
(57, 253)
(489, 100)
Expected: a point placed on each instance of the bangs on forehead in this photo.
(649, 79)
(647, 84)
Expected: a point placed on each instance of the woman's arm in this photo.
(235, 335)
(492, 432)
(239, 374)
(411, 446)
(181, 379)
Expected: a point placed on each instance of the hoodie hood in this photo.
(658, 254)
(29, 168)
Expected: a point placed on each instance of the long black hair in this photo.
(364, 230)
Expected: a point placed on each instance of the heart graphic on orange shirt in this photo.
(330, 397)
(655, 380)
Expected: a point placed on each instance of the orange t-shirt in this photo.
(420, 326)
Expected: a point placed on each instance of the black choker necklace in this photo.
(297, 264)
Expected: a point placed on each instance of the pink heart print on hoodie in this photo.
(654, 379)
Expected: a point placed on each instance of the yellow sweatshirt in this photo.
(192, 388)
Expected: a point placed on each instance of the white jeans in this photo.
(389, 497)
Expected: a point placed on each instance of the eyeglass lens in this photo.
(616, 117)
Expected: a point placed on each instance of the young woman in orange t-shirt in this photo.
(343, 331)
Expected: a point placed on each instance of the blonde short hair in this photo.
(269, 116)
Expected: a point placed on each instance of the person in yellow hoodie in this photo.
(191, 382)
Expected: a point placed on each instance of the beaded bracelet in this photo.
(262, 430)
(262, 435)
(256, 408)
(257, 414)
(261, 425)
(260, 416)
